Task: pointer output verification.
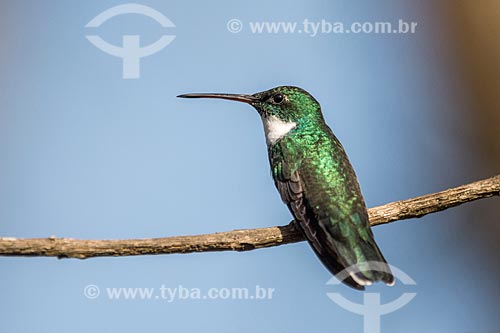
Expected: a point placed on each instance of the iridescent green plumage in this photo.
(317, 182)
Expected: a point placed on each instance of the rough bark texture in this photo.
(240, 240)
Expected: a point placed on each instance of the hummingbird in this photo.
(317, 182)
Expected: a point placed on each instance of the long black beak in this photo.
(232, 97)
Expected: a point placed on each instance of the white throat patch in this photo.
(276, 128)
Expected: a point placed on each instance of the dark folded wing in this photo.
(338, 230)
(287, 179)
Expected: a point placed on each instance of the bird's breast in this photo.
(276, 128)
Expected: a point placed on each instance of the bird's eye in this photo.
(278, 98)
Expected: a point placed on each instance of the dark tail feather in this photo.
(376, 268)
(357, 271)
(359, 274)
(331, 262)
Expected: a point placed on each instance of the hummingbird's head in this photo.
(287, 103)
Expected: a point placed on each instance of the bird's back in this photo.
(316, 180)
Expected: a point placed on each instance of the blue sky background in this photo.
(86, 154)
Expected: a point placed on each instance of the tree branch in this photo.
(240, 240)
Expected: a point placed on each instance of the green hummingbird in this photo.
(317, 182)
